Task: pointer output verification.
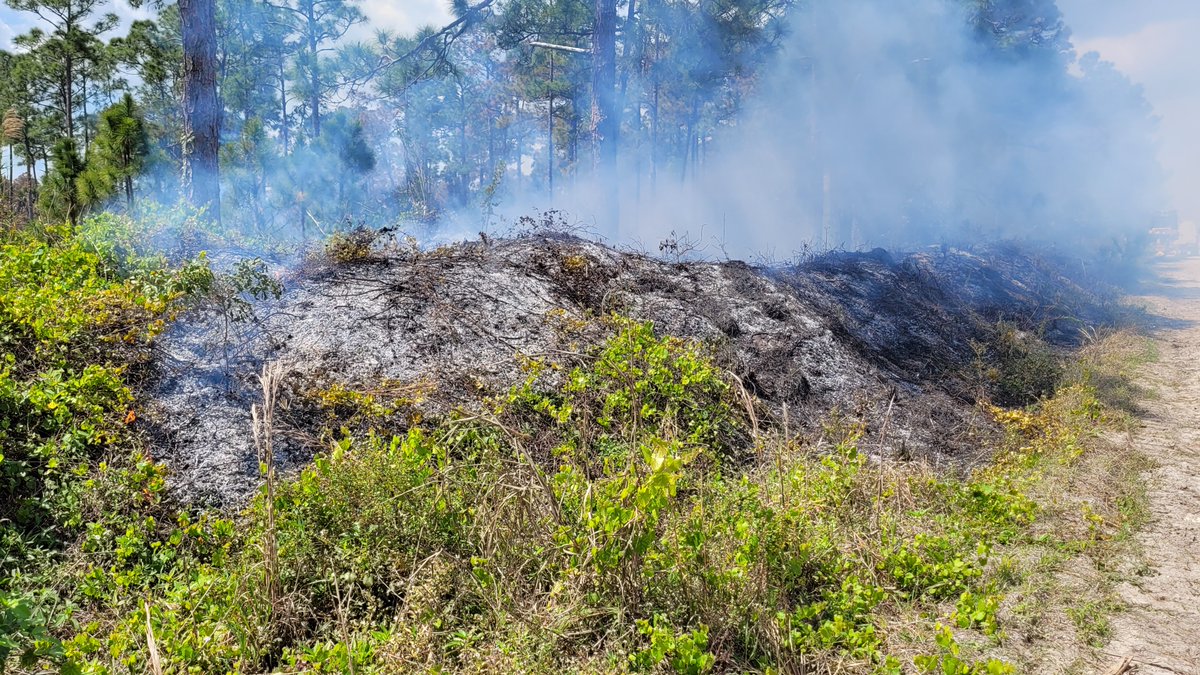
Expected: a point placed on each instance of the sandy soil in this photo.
(1160, 629)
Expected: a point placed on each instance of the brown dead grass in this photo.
(1058, 612)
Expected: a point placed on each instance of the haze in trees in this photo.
(850, 123)
(201, 106)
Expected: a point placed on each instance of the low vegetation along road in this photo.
(1159, 631)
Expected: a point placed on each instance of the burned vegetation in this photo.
(375, 334)
(540, 454)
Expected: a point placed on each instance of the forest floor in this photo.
(1159, 628)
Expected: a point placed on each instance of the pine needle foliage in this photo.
(117, 155)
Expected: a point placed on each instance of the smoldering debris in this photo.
(842, 335)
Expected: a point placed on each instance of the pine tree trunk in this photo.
(129, 192)
(633, 50)
(573, 148)
(283, 123)
(87, 140)
(68, 96)
(604, 107)
(314, 76)
(654, 125)
(550, 133)
(201, 107)
(464, 170)
(31, 171)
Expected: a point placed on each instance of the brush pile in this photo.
(904, 346)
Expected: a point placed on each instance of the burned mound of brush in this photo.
(908, 343)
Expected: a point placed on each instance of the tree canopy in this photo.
(540, 102)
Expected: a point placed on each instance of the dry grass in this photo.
(1082, 545)
(1058, 579)
(264, 431)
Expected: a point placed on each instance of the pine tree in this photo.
(118, 154)
(245, 166)
(16, 130)
(356, 156)
(318, 24)
(13, 130)
(61, 197)
(201, 106)
(64, 50)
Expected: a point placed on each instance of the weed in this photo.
(1018, 367)
(350, 246)
(977, 611)
(685, 653)
(949, 661)
(1091, 621)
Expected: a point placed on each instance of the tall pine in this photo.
(118, 153)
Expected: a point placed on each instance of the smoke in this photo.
(1153, 41)
(874, 123)
(899, 124)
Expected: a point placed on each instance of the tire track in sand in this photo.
(1160, 628)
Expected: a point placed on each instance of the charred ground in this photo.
(908, 342)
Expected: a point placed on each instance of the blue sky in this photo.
(13, 23)
(1153, 41)
(401, 16)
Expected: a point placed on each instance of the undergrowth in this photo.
(76, 315)
(620, 511)
(1063, 577)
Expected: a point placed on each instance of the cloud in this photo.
(128, 14)
(6, 34)
(12, 24)
(401, 17)
(1148, 54)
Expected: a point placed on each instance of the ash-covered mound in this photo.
(848, 334)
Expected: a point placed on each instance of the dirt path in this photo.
(1160, 629)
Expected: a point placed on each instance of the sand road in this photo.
(1160, 629)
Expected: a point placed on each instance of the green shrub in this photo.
(26, 631)
(76, 315)
(685, 653)
(359, 520)
(71, 322)
(606, 515)
(1027, 369)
